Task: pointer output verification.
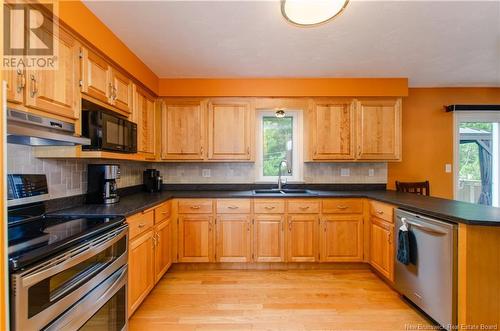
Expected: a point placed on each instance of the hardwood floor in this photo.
(273, 300)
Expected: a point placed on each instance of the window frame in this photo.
(297, 147)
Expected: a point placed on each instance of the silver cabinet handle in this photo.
(304, 207)
(195, 207)
(269, 207)
(233, 207)
(34, 88)
(380, 212)
(141, 225)
(341, 207)
(21, 81)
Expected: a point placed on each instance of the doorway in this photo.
(476, 143)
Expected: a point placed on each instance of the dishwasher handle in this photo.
(422, 227)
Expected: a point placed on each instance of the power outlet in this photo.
(371, 172)
(447, 168)
(345, 172)
(205, 173)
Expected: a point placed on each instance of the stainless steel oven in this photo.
(78, 288)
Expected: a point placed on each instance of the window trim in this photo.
(297, 150)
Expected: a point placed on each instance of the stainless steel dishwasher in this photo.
(430, 279)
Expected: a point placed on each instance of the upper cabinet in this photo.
(379, 129)
(230, 130)
(103, 83)
(330, 129)
(144, 116)
(356, 130)
(48, 91)
(183, 130)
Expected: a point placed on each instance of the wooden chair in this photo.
(422, 188)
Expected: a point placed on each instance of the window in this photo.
(477, 151)
(279, 139)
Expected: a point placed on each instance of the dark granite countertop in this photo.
(447, 210)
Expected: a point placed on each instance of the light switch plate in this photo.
(447, 168)
(371, 172)
(205, 173)
(345, 172)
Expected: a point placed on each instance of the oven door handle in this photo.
(69, 259)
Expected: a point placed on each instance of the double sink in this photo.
(284, 192)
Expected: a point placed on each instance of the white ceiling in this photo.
(433, 43)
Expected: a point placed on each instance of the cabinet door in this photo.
(183, 131)
(145, 119)
(233, 238)
(379, 130)
(141, 276)
(16, 83)
(269, 238)
(96, 76)
(302, 238)
(229, 130)
(382, 247)
(121, 91)
(56, 91)
(163, 253)
(195, 238)
(342, 238)
(332, 130)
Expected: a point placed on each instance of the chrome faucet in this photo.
(279, 172)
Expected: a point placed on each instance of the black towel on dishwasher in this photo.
(403, 255)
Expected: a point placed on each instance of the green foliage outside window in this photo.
(277, 140)
(469, 153)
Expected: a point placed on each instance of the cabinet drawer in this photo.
(233, 206)
(342, 206)
(162, 212)
(303, 206)
(276, 206)
(139, 223)
(195, 206)
(382, 211)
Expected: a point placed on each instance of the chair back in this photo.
(422, 188)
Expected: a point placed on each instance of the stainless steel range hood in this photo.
(28, 129)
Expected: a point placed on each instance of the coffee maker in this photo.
(101, 183)
(152, 180)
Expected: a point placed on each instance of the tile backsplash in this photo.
(69, 177)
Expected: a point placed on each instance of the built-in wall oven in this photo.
(107, 130)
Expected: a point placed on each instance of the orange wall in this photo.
(76, 15)
(428, 135)
(283, 87)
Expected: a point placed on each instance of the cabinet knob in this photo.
(141, 225)
(195, 207)
(233, 207)
(341, 207)
(380, 212)
(304, 207)
(269, 207)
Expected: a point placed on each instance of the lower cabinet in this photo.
(341, 238)
(302, 238)
(195, 240)
(163, 248)
(141, 269)
(382, 247)
(233, 238)
(269, 238)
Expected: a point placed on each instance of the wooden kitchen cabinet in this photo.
(56, 91)
(331, 127)
(379, 129)
(141, 269)
(233, 238)
(195, 238)
(183, 131)
(269, 237)
(382, 247)
(163, 251)
(302, 238)
(96, 76)
(121, 91)
(341, 238)
(230, 130)
(144, 116)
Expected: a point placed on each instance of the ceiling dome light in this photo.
(280, 113)
(311, 12)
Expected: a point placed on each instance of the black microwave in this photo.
(107, 131)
